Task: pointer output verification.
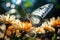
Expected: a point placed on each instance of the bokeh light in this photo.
(12, 6)
(12, 10)
(17, 2)
(8, 4)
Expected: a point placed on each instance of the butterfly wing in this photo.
(43, 10)
(39, 13)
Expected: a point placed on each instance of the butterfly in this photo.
(39, 13)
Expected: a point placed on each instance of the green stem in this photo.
(54, 36)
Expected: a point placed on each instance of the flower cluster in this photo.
(11, 27)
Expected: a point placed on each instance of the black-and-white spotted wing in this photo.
(39, 13)
(43, 10)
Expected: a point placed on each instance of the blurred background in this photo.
(20, 8)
